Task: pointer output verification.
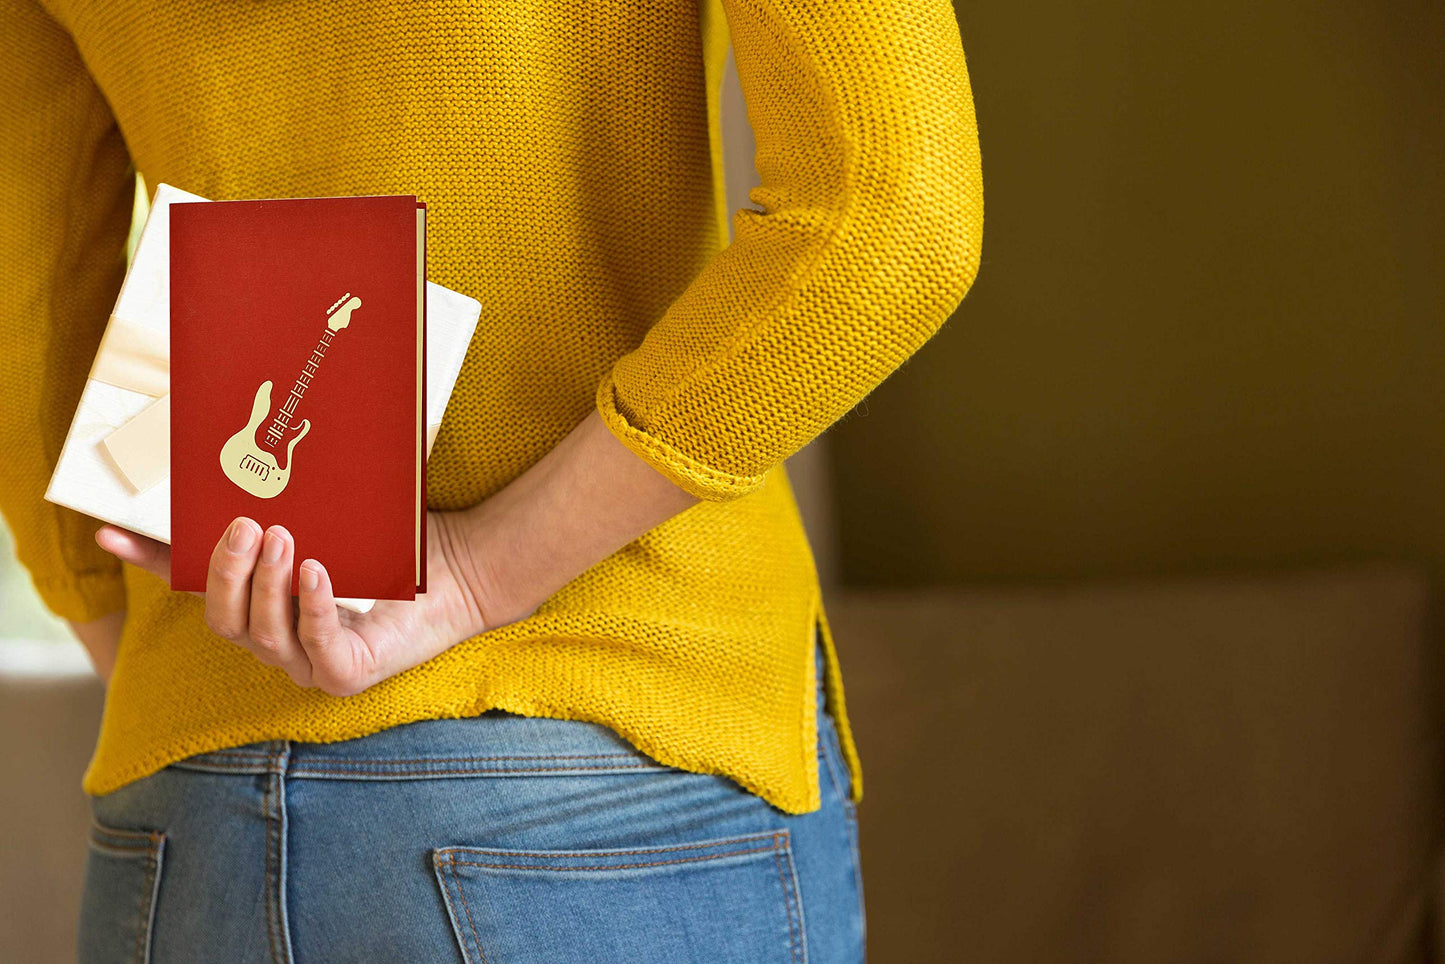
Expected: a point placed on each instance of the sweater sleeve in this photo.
(69, 188)
(867, 240)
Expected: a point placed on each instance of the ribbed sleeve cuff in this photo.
(82, 597)
(696, 478)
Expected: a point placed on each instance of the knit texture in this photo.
(569, 155)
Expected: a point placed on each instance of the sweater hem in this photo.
(796, 801)
(770, 769)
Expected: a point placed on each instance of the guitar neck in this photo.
(303, 381)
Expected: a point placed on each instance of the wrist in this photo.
(495, 595)
(581, 502)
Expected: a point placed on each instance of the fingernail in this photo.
(271, 549)
(309, 578)
(241, 536)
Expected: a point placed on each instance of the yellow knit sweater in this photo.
(570, 159)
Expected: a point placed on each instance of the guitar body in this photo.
(260, 463)
(255, 467)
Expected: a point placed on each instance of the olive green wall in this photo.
(1209, 329)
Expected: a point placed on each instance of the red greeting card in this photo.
(297, 377)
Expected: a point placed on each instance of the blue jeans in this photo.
(498, 838)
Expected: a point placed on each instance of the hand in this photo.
(341, 652)
(582, 501)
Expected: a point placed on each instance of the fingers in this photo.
(136, 549)
(336, 667)
(228, 580)
(272, 620)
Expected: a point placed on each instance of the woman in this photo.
(614, 728)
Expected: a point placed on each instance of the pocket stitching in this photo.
(700, 845)
(445, 882)
(121, 851)
(148, 909)
(462, 896)
(445, 863)
(148, 845)
(607, 867)
(135, 840)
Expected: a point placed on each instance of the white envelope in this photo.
(87, 478)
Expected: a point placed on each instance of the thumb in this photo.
(136, 549)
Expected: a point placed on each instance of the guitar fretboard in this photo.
(282, 421)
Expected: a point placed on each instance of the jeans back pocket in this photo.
(118, 903)
(717, 901)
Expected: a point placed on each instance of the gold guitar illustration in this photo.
(260, 465)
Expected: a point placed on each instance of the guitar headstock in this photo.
(340, 313)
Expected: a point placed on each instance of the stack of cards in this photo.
(282, 359)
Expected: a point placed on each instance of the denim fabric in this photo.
(499, 839)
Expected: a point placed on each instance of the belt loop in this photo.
(278, 756)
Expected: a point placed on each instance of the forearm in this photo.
(585, 499)
(101, 639)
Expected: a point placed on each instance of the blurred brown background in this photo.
(1152, 530)
(1207, 332)
(1134, 568)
